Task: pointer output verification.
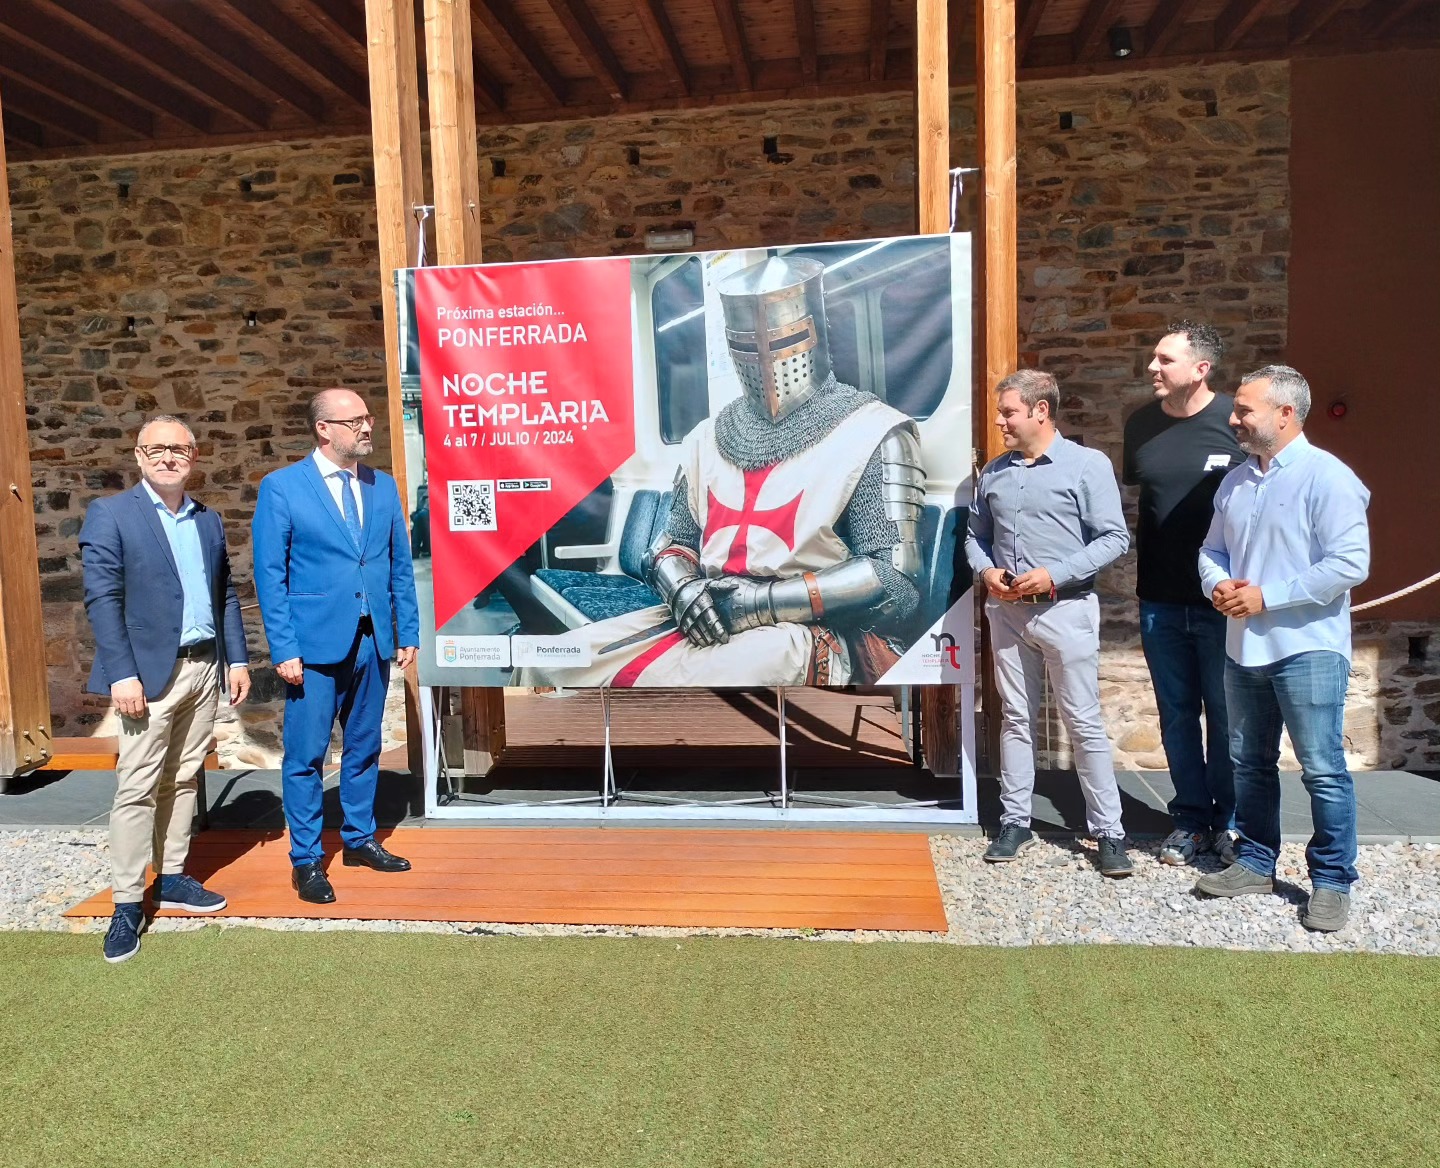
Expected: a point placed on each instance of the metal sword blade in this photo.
(636, 638)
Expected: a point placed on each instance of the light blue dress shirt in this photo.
(198, 621)
(1299, 532)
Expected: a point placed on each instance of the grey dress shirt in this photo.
(1062, 513)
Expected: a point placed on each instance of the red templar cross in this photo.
(779, 521)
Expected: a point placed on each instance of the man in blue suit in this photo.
(165, 615)
(337, 591)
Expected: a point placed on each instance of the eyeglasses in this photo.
(356, 424)
(156, 452)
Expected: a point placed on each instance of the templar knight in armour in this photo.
(791, 555)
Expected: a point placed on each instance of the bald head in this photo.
(342, 425)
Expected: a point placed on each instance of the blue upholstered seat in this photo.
(601, 595)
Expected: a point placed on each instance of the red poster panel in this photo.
(528, 399)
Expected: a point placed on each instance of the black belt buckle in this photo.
(199, 649)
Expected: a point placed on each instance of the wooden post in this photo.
(24, 688)
(455, 166)
(938, 703)
(399, 188)
(998, 318)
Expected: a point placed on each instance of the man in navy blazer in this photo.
(337, 591)
(163, 607)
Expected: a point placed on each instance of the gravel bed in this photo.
(1052, 895)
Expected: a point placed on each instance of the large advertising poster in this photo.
(733, 468)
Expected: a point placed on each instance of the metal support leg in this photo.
(784, 762)
(905, 740)
(607, 781)
(430, 745)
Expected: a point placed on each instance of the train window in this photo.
(677, 306)
(915, 321)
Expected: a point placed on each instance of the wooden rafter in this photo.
(662, 35)
(502, 22)
(727, 12)
(1099, 16)
(60, 40)
(72, 87)
(1237, 19)
(1308, 19)
(1164, 23)
(51, 114)
(141, 46)
(879, 34)
(583, 29)
(342, 19)
(1389, 13)
(805, 40)
(1025, 25)
(22, 129)
(280, 39)
(199, 33)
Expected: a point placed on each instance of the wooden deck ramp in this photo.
(594, 876)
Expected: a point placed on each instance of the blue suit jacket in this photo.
(133, 594)
(309, 575)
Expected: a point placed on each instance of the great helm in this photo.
(775, 324)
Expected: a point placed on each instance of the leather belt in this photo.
(200, 650)
(1059, 594)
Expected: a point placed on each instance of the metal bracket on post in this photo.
(607, 780)
(784, 763)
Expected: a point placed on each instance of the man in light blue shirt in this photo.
(1288, 541)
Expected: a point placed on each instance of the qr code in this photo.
(472, 505)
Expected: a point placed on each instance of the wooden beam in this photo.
(1099, 18)
(454, 159)
(342, 19)
(727, 12)
(71, 87)
(662, 37)
(141, 46)
(19, 128)
(1389, 13)
(503, 23)
(54, 115)
(24, 687)
(1029, 21)
(281, 39)
(879, 34)
(1164, 23)
(805, 38)
(1238, 18)
(995, 123)
(399, 189)
(589, 38)
(1308, 19)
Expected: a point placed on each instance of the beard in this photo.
(1257, 442)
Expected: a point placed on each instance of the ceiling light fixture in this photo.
(1121, 45)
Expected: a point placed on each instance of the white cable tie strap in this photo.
(1419, 584)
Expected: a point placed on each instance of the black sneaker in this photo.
(1012, 840)
(122, 941)
(1113, 860)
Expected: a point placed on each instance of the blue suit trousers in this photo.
(354, 691)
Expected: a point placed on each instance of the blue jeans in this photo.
(1185, 649)
(1306, 693)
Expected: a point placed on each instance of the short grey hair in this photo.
(1288, 387)
(1033, 386)
(158, 418)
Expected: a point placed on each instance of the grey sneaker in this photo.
(1223, 844)
(1113, 860)
(1179, 847)
(1326, 911)
(1012, 840)
(1236, 880)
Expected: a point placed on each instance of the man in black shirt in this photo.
(1177, 449)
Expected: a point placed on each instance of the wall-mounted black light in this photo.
(130, 325)
(252, 320)
(1121, 44)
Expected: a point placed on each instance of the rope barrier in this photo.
(1419, 584)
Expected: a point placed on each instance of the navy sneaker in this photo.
(187, 894)
(1012, 840)
(122, 941)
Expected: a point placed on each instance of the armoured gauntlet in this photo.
(677, 578)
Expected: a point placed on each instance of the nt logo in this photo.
(945, 643)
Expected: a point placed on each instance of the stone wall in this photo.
(225, 285)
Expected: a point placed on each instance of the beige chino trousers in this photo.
(158, 770)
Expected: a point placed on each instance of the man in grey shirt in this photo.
(1046, 519)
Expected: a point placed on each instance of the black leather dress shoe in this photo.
(372, 855)
(310, 882)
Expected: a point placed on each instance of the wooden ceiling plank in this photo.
(74, 88)
(18, 128)
(487, 89)
(1308, 19)
(1025, 25)
(1238, 18)
(585, 32)
(281, 39)
(344, 20)
(1389, 13)
(41, 108)
(1098, 19)
(504, 24)
(727, 12)
(662, 35)
(805, 38)
(1167, 19)
(44, 28)
(879, 32)
(197, 29)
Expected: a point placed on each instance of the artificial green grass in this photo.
(246, 1047)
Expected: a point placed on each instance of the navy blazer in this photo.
(310, 576)
(133, 594)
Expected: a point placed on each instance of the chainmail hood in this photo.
(752, 441)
